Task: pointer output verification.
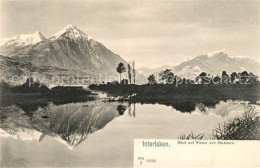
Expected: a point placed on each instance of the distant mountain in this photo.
(149, 71)
(214, 63)
(15, 43)
(70, 49)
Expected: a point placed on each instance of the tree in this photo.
(244, 76)
(129, 73)
(217, 80)
(225, 77)
(124, 81)
(121, 109)
(151, 79)
(120, 69)
(133, 66)
(167, 75)
(253, 79)
(202, 77)
(163, 75)
(233, 77)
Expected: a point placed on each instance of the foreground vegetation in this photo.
(245, 127)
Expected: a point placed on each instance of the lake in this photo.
(98, 133)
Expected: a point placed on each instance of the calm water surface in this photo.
(98, 133)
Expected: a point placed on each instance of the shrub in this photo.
(245, 127)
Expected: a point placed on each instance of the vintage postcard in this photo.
(134, 83)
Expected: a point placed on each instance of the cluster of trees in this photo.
(168, 77)
(30, 86)
(35, 86)
(234, 78)
(130, 70)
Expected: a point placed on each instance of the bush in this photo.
(245, 127)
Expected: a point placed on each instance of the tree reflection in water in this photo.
(121, 109)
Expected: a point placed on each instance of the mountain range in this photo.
(213, 63)
(18, 42)
(71, 52)
(70, 49)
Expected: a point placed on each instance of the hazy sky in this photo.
(153, 33)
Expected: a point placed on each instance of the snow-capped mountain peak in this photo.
(68, 49)
(217, 52)
(39, 34)
(70, 26)
(70, 31)
(212, 55)
(213, 63)
(22, 40)
(240, 57)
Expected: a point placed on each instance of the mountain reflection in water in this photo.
(68, 122)
(71, 123)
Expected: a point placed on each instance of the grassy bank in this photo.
(29, 98)
(245, 127)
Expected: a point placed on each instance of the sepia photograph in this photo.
(134, 83)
